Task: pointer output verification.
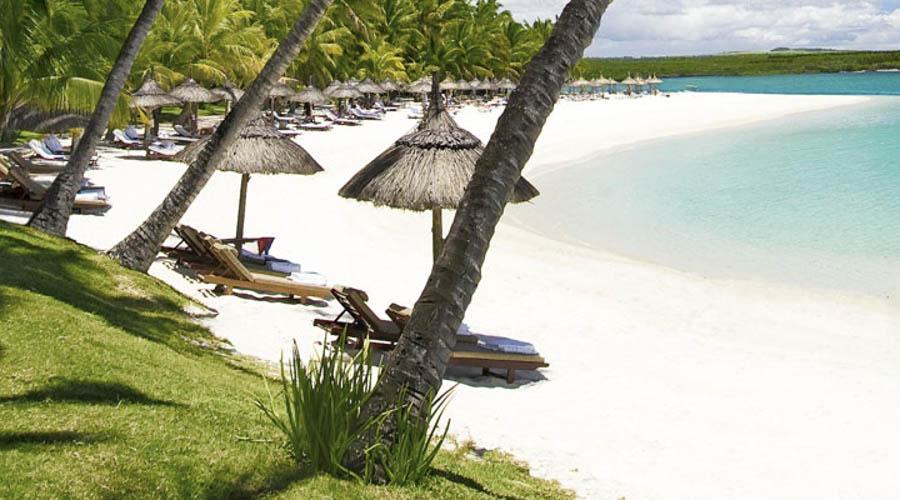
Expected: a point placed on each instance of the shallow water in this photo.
(812, 199)
(871, 83)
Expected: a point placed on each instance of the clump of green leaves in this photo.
(322, 416)
(416, 442)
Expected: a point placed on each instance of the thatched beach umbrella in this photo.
(449, 84)
(420, 86)
(228, 93)
(427, 169)
(463, 85)
(369, 87)
(487, 85)
(506, 84)
(345, 92)
(281, 90)
(310, 96)
(331, 87)
(260, 149)
(152, 97)
(629, 83)
(389, 86)
(192, 94)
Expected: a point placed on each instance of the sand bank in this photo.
(662, 385)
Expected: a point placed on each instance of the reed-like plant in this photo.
(322, 402)
(415, 442)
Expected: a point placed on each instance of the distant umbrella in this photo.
(449, 84)
(310, 95)
(260, 149)
(228, 92)
(427, 169)
(191, 91)
(506, 84)
(420, 86)
(152, 96)
(281, 90)
(369, 87)
(463, 85)
(192, 94)
(332, 86)
(486, 84)
(345, 92)
(389, 86)
(474, 84)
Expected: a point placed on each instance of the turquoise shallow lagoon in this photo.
(811, 199)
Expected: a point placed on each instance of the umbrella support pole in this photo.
(242, 204)
(437, 233)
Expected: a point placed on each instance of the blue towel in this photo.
(253, 257)
(507, 345)
(282, 266)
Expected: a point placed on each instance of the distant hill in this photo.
(779, 61)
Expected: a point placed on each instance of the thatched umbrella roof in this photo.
(426, 169)
(190, 91)
(654, 80)
(420, 86)
(581, 82)
(310, 95)
(463, 85)
(228, 92)
(389, 86)
(369, 87)
(332, 86)
(345, 92)
(506, 84)
(474, 84)
(629, 81)
(353, 82)
(449, 84)
(486, 84)
(260, 149)
(151, 96)
(281, 90)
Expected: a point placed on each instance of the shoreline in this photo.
(661, 384)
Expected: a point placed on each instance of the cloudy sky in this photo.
(670, 27)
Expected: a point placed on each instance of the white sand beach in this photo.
(661, 385)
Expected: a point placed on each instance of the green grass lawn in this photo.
(109, 389)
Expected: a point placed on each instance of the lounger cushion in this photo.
(507, 345)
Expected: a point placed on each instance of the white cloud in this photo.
(665, 27)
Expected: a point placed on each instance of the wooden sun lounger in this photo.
(385, 334)
(32, 193)
(197, 255)
(236, 275)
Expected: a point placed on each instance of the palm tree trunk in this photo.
(139, 248)
(53, 214)
(416, 366)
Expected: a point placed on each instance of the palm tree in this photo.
(53, 57)
(53, 214)
(139, 248)
(416, 366)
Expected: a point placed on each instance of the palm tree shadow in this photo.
(88, 392)
(241, 486)
(70, 276)
(469, 483)
(13, 440)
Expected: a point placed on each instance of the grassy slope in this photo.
(764, 63)
(107, 389)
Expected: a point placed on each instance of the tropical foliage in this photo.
(55, 54)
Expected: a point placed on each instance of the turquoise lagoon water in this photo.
(812, 200)
(871, 83)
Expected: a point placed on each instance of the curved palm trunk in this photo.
(416, 366)
(53, 214)
(139, 248)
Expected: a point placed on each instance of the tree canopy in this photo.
(54, 54)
